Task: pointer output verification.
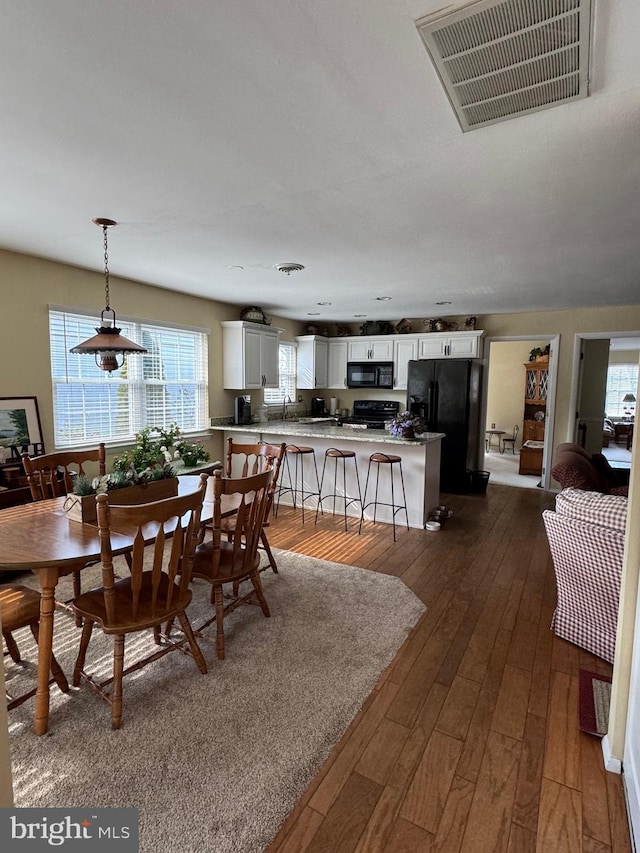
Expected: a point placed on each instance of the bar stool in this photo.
(337, 455)
(291, 486)
(390, 460)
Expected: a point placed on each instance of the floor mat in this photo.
(595, 696)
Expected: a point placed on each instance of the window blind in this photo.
(287, 370)
(169, 384)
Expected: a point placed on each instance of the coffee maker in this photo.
(242, 409)
(318, 409)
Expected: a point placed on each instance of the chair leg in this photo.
(219, 605)
(87, 629)
(56, 669)
(267, 548)
(257, 586)
(77, 588)
(116, 692)
(12, 646)
(193, 644)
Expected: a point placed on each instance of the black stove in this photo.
(372, 414)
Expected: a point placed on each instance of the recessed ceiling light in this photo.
(313, 313)
(234, 267)
(288, 268)
(359, 315)
(443, 303)
(383, 298)
(324, 303)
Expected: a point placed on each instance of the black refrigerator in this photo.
(446, 394)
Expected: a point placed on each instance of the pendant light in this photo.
(108, 343)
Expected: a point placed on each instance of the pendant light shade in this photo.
(108, 344)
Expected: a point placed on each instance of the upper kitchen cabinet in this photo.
(451, 345)
(405, 349)
(370, 349)
(337, 363)
(312, 359)
(250, 355)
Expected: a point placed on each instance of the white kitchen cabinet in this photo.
(405, 349)
(450, 345)
(312, 361)
(370, 349)
(250, 355)
(337, 363)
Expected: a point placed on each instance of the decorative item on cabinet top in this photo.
(373, 327)
(439, 324)
(403, 327)
(343, 330)
(254, 314)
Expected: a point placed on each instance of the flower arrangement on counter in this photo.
(406, 424)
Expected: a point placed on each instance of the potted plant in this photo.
(406, 424)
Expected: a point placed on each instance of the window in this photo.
(287, 371)
(167, 385)
(621, 379)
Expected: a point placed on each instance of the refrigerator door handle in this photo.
(436, 395)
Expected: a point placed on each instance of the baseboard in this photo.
(612, 764)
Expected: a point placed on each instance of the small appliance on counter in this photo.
(318, 407)
(242, 409)
(371, 414)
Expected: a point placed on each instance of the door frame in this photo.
(554, 340)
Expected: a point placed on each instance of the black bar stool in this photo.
(296, 485)
(337, 455)
(389, 460)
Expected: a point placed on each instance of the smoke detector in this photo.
(498, 59)
(288, 268)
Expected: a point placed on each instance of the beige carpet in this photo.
(216, 762)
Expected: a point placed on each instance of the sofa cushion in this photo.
(608, 511)
(576, 470)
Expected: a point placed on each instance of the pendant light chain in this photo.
(106, 267)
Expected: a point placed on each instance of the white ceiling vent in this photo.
(498, 59)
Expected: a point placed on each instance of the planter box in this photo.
(83, 507)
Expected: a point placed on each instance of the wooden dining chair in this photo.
(156, 591)
(232, 556)
(20, 608)
(245, 460)
(52, 474)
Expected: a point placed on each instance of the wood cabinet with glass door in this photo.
(536, 386)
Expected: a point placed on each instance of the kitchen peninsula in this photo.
(420, 459)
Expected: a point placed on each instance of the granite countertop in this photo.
(344, 433)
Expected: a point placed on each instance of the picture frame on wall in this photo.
(20, 427)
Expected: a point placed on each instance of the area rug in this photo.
(594, 698)
(216, 762)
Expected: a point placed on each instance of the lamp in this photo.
(629, 399)
(108, 343)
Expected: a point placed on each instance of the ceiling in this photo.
(228, 136)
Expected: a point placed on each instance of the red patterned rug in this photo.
(595, 696)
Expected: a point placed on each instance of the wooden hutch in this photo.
(536, 385)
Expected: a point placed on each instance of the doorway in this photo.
(505, 399)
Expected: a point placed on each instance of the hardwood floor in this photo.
(470, 741)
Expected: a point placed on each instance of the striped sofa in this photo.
(586, 539)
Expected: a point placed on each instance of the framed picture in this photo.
(20, 427)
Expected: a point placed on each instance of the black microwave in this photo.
(369, 374)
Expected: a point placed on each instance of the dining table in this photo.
(42, 538)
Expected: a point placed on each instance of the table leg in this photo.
(48, 581)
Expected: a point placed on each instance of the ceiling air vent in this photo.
(498, 59)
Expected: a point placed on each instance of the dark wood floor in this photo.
(470, 742)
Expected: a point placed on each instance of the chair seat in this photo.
(339, 454)
(20, 606)
(92, 605)
(297, 448)
(385, 457)
(203, 563)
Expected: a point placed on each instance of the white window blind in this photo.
(287, 369)
(167, 385)
(622, 379)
